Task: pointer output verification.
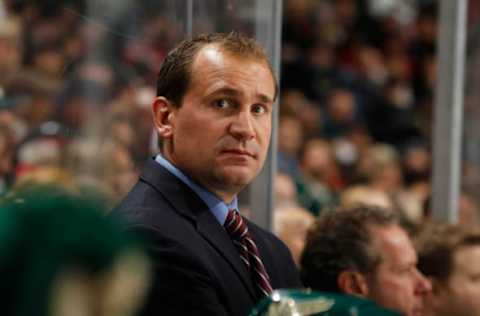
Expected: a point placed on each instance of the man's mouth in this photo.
(239, 152)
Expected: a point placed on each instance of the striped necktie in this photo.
(238, 231)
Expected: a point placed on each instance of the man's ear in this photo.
(163, 114)
(353, 282)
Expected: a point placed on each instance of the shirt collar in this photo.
(218, 207)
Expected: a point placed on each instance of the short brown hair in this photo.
(436, 245)
(340, 240)
(176, 71)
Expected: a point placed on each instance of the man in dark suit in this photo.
(213, 113)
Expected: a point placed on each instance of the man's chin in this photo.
(417, 312)
(236, 177)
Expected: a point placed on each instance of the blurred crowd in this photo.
(357, 91)
(355, 125)
(76, 87)
(357, 82)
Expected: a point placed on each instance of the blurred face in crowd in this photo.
(387, 177)
(396, 283)
(291, 225)
(417, 159)
(341, 106)
(219, 134)
(290, 135)
(460, 293)
(6, 154)
(285, 190)
(467, 211)
(317, 159)
(10, 54)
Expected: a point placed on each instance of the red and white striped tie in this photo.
(238, 231)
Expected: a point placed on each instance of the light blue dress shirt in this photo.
(218, 207)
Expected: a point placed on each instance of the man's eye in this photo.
(403, 270)
(475, 277)
(222, 103)
(409, 270)
(259, 109)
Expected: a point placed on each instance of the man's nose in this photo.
(242, 126)
(424, 285)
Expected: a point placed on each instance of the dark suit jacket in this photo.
(198, 270)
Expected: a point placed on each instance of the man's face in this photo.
(460, 294)
(221, 131)
(396, 283)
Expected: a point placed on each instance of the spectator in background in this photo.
(290, 140)
(80, 103)
(34, 97)
(450, 256)
(379, 166)
(365, 195)
(295, 103)
(291, 225)
(106, 167)
(468, 211)
(46, 176)
(49, 60)
(363, 251)
(416, 163)
(285, 191)
(341, 113)
(37, 151)
(10, 48)
(320, 178)
(6, 158)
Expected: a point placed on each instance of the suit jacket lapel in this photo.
(190, 205)
(211, 230)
